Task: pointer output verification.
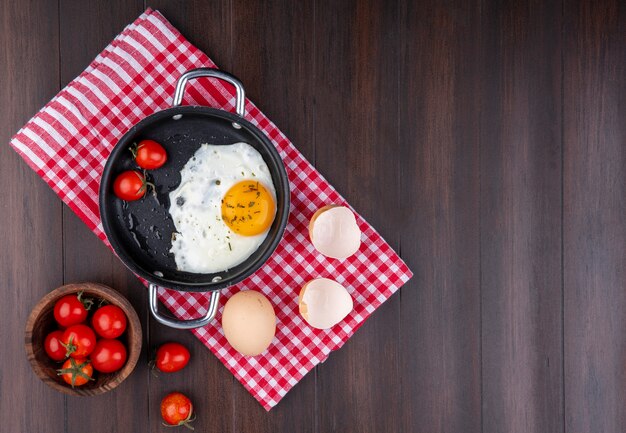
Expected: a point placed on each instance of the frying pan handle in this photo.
(182, 324)
(211, 73)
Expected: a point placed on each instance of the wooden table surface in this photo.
(484, 139)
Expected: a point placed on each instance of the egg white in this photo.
(203, 243)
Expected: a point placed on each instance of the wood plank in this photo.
(272, 54)
(594, 215)
(206, 25)
(127, 407)
(521, 217)
(87, 28)
(356, 149)
(205, 380)
(438, 207)
(441, 123)
(30, 235)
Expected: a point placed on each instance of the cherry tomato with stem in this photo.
(109, 321)
(53, 347)
(171, 357)
(108, 355)
(149, 154)
(72, 309)
(76, 371)
(176, 409)
(79, 341)
(131, 185)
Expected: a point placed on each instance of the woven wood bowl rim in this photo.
(133, 346)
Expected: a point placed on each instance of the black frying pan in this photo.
(140, 231)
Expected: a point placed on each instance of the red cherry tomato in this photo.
(109, 321)
(130, 185)
(76, 371)
(176, 409)
(149, 154)
(171, 357)
(108, 355)
(71, 310)
(53, 346)
(79, 341)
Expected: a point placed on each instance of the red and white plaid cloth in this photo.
(67, 144)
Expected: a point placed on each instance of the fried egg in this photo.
(222, 209)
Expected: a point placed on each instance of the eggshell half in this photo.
(334, 232)
(323, 303)
(249, 322)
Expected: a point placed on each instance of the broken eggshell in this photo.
(334, 232)
(324, 302)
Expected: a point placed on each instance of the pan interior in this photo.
(141, 231)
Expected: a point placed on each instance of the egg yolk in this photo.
(248, 208)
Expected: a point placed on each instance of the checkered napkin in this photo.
(67, 144)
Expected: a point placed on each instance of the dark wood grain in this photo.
(209, 385)
(94, 24)
(278, 73)
(483, 139)
(88, 27)
(207, 25)
(594, 215)
(30, 235)
(520, 205)
(356, 100)
(438, 206)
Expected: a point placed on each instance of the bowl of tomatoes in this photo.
(83, 339)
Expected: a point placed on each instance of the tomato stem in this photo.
(75, 370)
(185, 422)
(133, 149)
(87, 302)
(102, 302)
(145, 184)
(70, 347)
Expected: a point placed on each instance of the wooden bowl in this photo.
(41, 322)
